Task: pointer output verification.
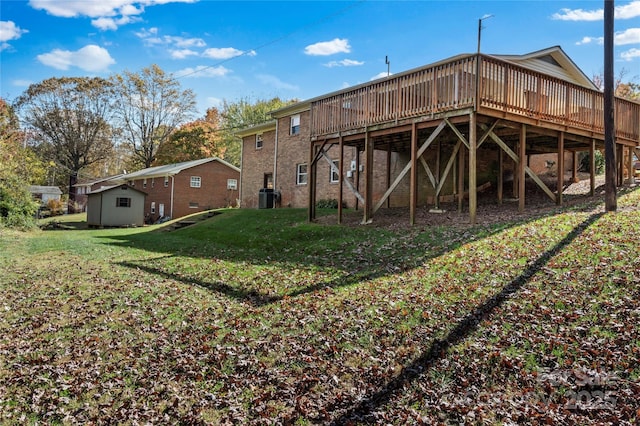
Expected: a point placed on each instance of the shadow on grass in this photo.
(461, 331)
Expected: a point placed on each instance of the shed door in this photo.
(161, 209)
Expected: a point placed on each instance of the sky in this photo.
(257, 50)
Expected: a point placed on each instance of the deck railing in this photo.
(450, 86)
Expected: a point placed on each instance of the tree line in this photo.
(64, 129)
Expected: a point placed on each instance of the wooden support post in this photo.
(516, 173)
(357, 176)
(388, 183)
(619, 165)
(630, 170)
(341, 180)
(500, 175)
(368, 173)
(473, 177)
(592, 168)
(521, 166)
(574, 169)
(413, 180)
(560, 162)
(437, 193)
(461, 174)
(311, 182)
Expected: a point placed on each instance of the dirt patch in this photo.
(537, 204)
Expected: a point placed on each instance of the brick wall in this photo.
(256, 163)
(213, 192)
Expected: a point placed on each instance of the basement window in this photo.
(335, 171)
(123, 202)
(193, 205)
(301, 174)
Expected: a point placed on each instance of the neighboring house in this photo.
(85, 187)
(437, 133)
(45, 193)
(117, 205)
(176, 190)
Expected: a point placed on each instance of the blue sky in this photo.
(291, 49)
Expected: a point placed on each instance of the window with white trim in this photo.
(166, 181)
(334, 173)
(144, 182)
(153, 182)
(193, 205)
(196, 182)
(153, 207)
(301, 174)
(295, 125)
(259, 141)
(232, 184)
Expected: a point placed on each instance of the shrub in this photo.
(17, 207)
(585, 162)
(56, 207)
(327, 204)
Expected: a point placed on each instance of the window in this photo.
(295, 124)
(123, 202)
(166, 181)
(153, 182)
(144, 183)
(258, 141)
(301, 175)
(153, 207)
(268, 181)
(232, 184)
(193, 205)
(335, 171)
(196, 182)
(132, 182)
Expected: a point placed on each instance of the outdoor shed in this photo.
(118, 205)
(45, 193)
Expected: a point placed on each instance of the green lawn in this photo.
(258, 317)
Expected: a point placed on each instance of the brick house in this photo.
(439, 133)
(180, 189)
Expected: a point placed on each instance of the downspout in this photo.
(275, 163)
(173, 184)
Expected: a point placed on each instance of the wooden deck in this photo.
(505, 90)
(463, 102)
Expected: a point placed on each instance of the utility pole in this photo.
(611, 202)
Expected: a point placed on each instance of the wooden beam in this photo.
(631, 179)
(522, 148)
(412, 164)
(473, 178)
(574, 169)
(341, 180)
(560, 163)
(368, 173)
(413, 182)
(500, 175)
(592, 168)
(461, 174)
(448, 167)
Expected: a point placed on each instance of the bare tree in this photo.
(69, 119)
(150, 106)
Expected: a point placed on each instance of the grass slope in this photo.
(257, 317)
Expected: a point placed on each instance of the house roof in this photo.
(92, 182)
(551, 61)
(37, 189)
(110, 187)
(170, 169)
(258, 128)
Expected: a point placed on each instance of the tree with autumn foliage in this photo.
(193, 141)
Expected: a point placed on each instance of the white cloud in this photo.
(630, 54)
(589, 40)
(627, 11)
(10, 31)
(222, 52)
(22, 83)
(107, 14)
(90, 58)
(325, 48)
(182, 53)
(274, 81)
(344, 63)
(628, 36)
(202, 71)
(382, 74)
(214, 102)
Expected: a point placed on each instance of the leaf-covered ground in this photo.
(257, 317)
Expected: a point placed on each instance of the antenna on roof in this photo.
(480, 28)
(386, 61)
